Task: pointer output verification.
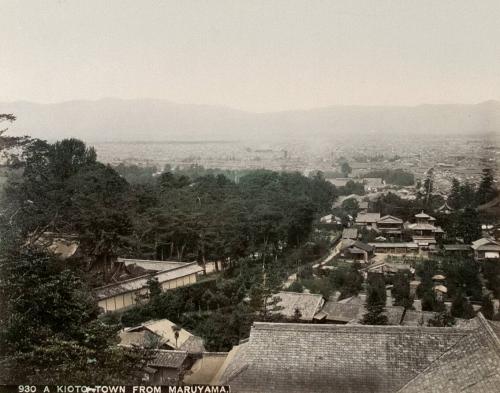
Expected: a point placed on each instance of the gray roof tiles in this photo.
(390, 220)
(137, 283)
(367, 217)
(353, 312)
(307, 303)
(485, 244)
(298, 358)
(471, 365)
(350, 233)
(168, 359)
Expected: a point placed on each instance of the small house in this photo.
(356, 250)
(486, 248)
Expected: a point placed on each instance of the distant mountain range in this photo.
(160, 120)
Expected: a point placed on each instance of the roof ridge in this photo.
(170, 351)
(349, 328)
(300, 293)
(483, 323)
(144, 276)
(491, 334)
(434, 361)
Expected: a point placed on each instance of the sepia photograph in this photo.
(249, 196)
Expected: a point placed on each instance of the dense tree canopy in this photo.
(398, 177)
(48, 316)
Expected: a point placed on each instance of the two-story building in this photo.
(423, 232)
(390, 225)
(367, 220)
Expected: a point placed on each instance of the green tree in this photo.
(428, 186)
(351, 206)
(296, 286)
(99, 214)
(469, 225)
(454, 198)
(461, 307)
(401, 290)
(375, 302)
(346, 169)
(52, 334)
(487, 307)
(352, 187)
(347, 279)
(442, 319)
(486, 190)
(491, 273)
(467, 195)
(8, 143)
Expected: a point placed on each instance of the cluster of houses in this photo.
(419, 237)
(176, 354)
(304, 357)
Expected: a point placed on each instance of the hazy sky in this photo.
(253, 55)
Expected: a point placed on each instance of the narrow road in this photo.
(333, 253)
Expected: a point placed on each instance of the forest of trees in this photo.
(258, 226)
(254, 227)
(64, 189)
(468, 195)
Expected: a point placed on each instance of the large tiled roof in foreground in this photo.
(472, 365)
(298, 358)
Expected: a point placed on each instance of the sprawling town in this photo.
(249, 197)
(365, 265)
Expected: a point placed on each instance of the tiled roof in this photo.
(367, 217)
(350, 233)
(165, 331)
(148, 264)
(471, 365)
(495, 325)
(168, 359)
(342, 312)
(445, 206)
(353, 312)
(348, 243)
(422, 227)
(390, 220)
(136, 283)
(307, 303)
(394, 245)
(485, 243)
(320, 358)
(422, 215)
(193, 344)
(359, 299)
(457, 247)
(143, 338)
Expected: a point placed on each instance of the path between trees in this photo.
(332, 254)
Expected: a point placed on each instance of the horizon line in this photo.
(227, 107)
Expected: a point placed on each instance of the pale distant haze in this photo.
(256, 56)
